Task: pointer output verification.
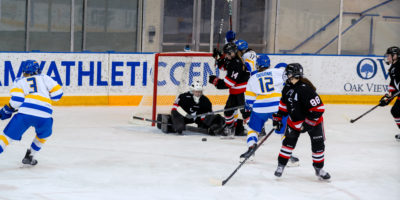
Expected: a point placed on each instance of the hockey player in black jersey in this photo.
(193, 103)
(392, 58)
(236, 81)
(305, 108)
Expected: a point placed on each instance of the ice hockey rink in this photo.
(101, 153)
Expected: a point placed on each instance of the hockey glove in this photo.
(213, 79)
(216, 53)
(6, 112)
(384, 100)
(306, 127)
(277, 121)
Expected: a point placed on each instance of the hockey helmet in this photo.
(242, 45)
(31, 67)
(196, 86)
(392, 51)
(263, 61)
(293, 70)
(230, 48)
(230, 36)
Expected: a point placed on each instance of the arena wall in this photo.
(127, 78)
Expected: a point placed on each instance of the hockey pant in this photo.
(396, 112)
(256, 124)
(317, 137)
(234, 100)
(19, 124)
(214, 123)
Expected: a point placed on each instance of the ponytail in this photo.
(308, 82)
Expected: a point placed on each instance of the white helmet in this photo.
(196, 86)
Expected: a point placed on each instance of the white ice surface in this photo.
(100, 153)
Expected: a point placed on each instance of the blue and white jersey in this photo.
(33, 95)
(249, 59)
(263, 91)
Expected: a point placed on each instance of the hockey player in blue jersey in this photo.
(263, 93)
(31, 97)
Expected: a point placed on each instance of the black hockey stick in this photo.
(373, 108)
(222, 183)
(150, 120)
(188, 128)
(213, 112)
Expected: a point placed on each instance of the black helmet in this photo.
(393, 50)
(294, 70)
(229, 48)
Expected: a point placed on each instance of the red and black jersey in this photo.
(236, 76)
(394, 73)
(186, 101)
(302, 104)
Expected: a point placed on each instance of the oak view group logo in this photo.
(367, 68)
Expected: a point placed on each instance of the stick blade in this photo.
(215, 182)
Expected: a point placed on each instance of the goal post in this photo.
(174, 72)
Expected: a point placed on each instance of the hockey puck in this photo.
(204, 139)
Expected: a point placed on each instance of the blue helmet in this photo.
(242, 45)
(263, 61)
(31, 67)
(230, 36)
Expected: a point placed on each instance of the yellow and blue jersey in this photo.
(249, 59)
(263, 91)
(33, 95)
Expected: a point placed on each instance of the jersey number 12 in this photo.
(268, 83)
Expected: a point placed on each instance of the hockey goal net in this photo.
(173, 73)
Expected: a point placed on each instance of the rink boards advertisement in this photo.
(127, 78)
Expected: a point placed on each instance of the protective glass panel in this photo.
(111, 25)
(370, 27)
(50, 25)
(177, 24)
(12, 25)
(307, 26)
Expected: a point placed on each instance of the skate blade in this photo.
(227, 137)
(324, 180)
(291, 164)
(250, 160)
(215, 182)
(26, 166)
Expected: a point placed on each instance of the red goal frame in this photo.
(156, 61)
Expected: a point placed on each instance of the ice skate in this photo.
(248, 153)
(229, 133)
(28, 159)
(293, 161)
(279, 170)
(322, 174)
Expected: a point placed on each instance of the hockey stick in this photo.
(213, 112)
(222, 183)
(150, 120)
(230, 14)
(373, 108)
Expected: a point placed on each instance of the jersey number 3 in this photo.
(33, 84)
(268, 83)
